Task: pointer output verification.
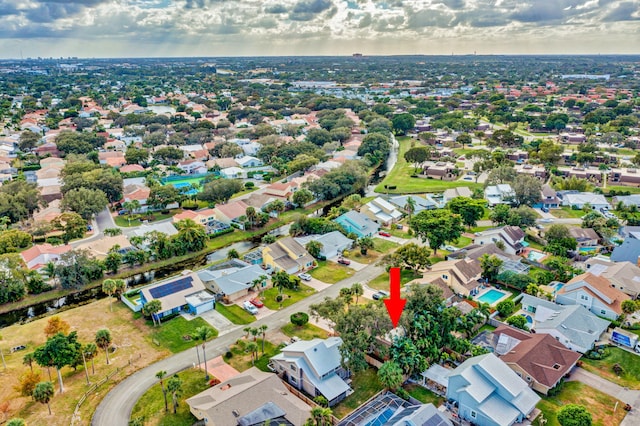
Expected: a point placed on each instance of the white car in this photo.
(305, 277)
(248, 306)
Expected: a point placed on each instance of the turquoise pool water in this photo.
(535, 255)
(491, 296)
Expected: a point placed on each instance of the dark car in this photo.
(257, 303)
(344, 261)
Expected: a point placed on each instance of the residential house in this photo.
(315, 367)
(440, 170)
(381, 211)
(249, 161)
(624, 276)
(510, 262)
(579, 199)
(489, 393)
(231, 213)
(499, 194)
(233, 279)
(421, 202)
(592, 174)
(100, 247)
(594, 293)
(333, 243)
(253, 397)
(459, 191)
(222, 163)
(233, 173)
(166, 228)
(39, 255)
(539, 359)
(624, 176)
(138, 193)
(572, 325)
(512, 238)
(628, 251)
(112, 158)
(259, 200)
(534, 170)
(281, 189)
(628, 200)
(462, 276)
(47, 214)
(185, 292)
(192, 167)
(357, 223)
(586, 237)
(287, 255)
(207, 218)
(548, 198)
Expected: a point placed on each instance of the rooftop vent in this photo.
(235, 413)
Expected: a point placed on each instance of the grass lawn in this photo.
(400, 233)
(368, 258)
(486, 327)
(306, 332)
(424, 395)
(631, 189)
(235, 314)
(533, 244)
(136, 218)
(244, 191)
(381, 282)
(479, 229)
(331, 272)
(365, 384)
(599, 404)
(400, 176)
(290, 296)
(241, 359)
(567, 213)
(151, 405)
(629, 362)
(171, 334)
(463, 242)
(384, 246)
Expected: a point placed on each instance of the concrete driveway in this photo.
(215, 319)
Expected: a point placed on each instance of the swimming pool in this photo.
(535, 255)
(528, 317)
(381, 418)
(556, 287)
(491, 296)
(180, 185)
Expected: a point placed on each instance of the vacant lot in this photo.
(235, 314)
(175, 334)
(331, 272)
(381, 282)
(290, 296)
(306, 332)
(630, 376)
(129, 340)
(241, 358)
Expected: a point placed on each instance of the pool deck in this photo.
(488, 289)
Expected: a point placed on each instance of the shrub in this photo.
(617, 368)
(506, 308)
(299, 319)
(249, 185)
(556, 389)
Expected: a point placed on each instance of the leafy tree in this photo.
(302, 197)
(19, 199)
(470, 210)
(135, 155)
(113, 261)
(28, 360)
(527, 190)
(168, 155)
(27, 383)
(56, 325)
(43, 393)
(318, 137)
(518, 321)
(233, 254)
(302, 162)
(357, 290)
(376, 144)
(174, 385)
(574, 415)
(16, 422)
(505, 138)
(103, 341)
(28, 140)
(161, 196)
(411, 256)
(151, 308)
(314, 248)
(72, 224)
(390, 375)
(59, 351)
(436, 226)
(160, 375)
(549, 152)
(559, 240)
(220, 190)
(629, 306)
(365, 244)
(276, 206)
(191, 236)
(90, 352)
(500, 214)
(506, 308)
(402, 123)
(417, 155)
(76, 268)
(490, 267)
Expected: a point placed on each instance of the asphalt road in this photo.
(115, 409)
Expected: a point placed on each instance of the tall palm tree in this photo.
(204, 333)
(357, 290)
(410, 206)
(253, 348)
(263, 330)
(251, 215)
(43, 392)
(191, 234)
(161, 375)
(175, 387)
(109, 288)
(50, 270)
(196, 339)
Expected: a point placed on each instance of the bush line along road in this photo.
(115, 409)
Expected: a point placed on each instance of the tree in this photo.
(629, 306)
(436, 226)
(506, 308)
(518, 321)
(16, 422)
(402, 123)
(135, 155)
(161, 196)
(302, 197)
(574, 415)
(28, 140)
(276, 206)
(470, 210)
(174, 385)
(43, 393)
(86, 202)
(28, 360)
(549, 153)
(109, 288)
(204, 333)
(314, 248)
(417, 155)
(103, 341)
(559, 240)
(376, 144)
(302, 162)
(527, 190)
(191, 236)
(252, 348)
(151, 308)
(56, 325)
(90, 352)
(233, 254)
(168, 155)
(390, 375)
(412, 256)
(464, 139)
(263, 331)
(320, 416)
(27, 383)
(59, 351)
(72, 224)
(113, 261)
(220, 190)
(357, 290)
(160, 375)
(365, 244)
(500, 214)
(410, 206)
(299, 319)
(490, 267)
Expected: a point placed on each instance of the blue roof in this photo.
(629, 251)
(353, 221)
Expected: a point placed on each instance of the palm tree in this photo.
(43, 392)
(247, 330)
(191, 234)
(253, 348)
(151, 309)
(254, 332)
(251, 215)
(28, 359)
(263, 329)
(131, 207)
(175, 387)
(50, 270)
(109, 288)
(103, 341)
(357, 290)
(365, 244)
(196, 339)
(320, 416)
(485, 310)
(410, 206)
(90, 352)
(204, 333)
(161, 375)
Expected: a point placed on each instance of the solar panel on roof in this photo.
(434, 420)
(171, 287)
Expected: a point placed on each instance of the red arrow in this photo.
(394, 304)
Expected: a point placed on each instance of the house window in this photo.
(293, 368)
(293, 380)
(445, 277)
(474, 414)
(603, 312)
(583, 297)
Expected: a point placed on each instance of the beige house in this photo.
(462, 276)
(287, 255)
(381, 211)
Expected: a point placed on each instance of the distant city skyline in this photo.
(166, 28)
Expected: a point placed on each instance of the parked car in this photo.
(257, 303)
(122, 212)
(344, 261)
(546, 220)
(384, 234)
(305, 277)
(380, 295)
(248, 306)
(545, 209)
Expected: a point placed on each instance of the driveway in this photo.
(216, 320)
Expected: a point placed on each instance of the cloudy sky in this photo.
(116, 28)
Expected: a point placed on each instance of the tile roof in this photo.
(599, 287)
(233, 209)
(45, 248)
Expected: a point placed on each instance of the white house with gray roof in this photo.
(357, 223)
(499, 194)
(333, 243)
(511, 236)
(381, 211)
(572, 325)
(314, 367)
(489, 393)
(233, 281)
(421, 203)
(579, 199)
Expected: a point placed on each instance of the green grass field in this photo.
(136, 219)
(306, 332)
(384, 246)
(235, 314)
(381, 282)
(173, 334)
(365, 384)
(424, 395)
(331, 272)
(400, 176)
(290, 296)
(630, 376)
(151, 405)
(241, 359)
(567, 212)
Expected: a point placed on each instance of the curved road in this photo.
(115, 409)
